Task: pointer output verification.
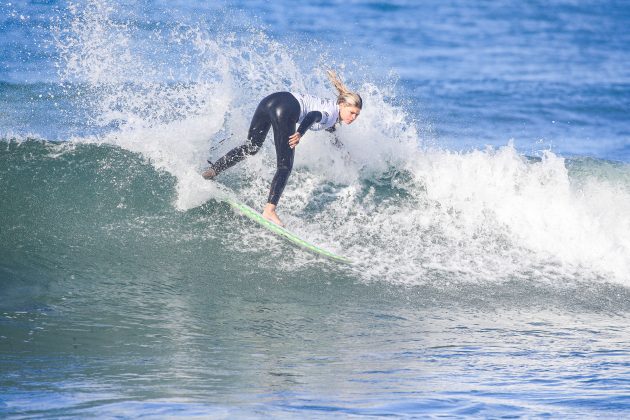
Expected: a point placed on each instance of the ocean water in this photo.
(483, 195)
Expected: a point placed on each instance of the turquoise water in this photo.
(483, 196)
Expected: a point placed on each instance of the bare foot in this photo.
(270, 214)
(209, 173)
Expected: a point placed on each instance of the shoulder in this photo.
(313, 99)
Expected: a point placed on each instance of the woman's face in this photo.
(348, 113)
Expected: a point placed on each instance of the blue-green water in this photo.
(490, 281)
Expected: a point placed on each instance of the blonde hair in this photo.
(345, 95)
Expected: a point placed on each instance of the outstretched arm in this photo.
(310, 119)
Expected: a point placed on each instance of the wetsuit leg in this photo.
(284, 117)
(281, 111)
(258, 129)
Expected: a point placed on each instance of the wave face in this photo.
(431, 217)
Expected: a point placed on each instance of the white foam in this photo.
(535, 204)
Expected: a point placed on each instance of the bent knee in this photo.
(285, 166)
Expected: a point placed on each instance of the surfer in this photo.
(283, 111)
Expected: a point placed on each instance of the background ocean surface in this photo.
(483, 194)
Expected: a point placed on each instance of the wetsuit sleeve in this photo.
(310, 119)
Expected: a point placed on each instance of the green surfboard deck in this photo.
(252, 214)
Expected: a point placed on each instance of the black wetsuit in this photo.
(280, 110)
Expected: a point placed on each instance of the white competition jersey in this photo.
(328, 108)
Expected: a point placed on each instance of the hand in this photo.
(294, 139)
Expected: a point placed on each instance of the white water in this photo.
(486, 215)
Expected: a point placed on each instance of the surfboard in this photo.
(252, 214)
